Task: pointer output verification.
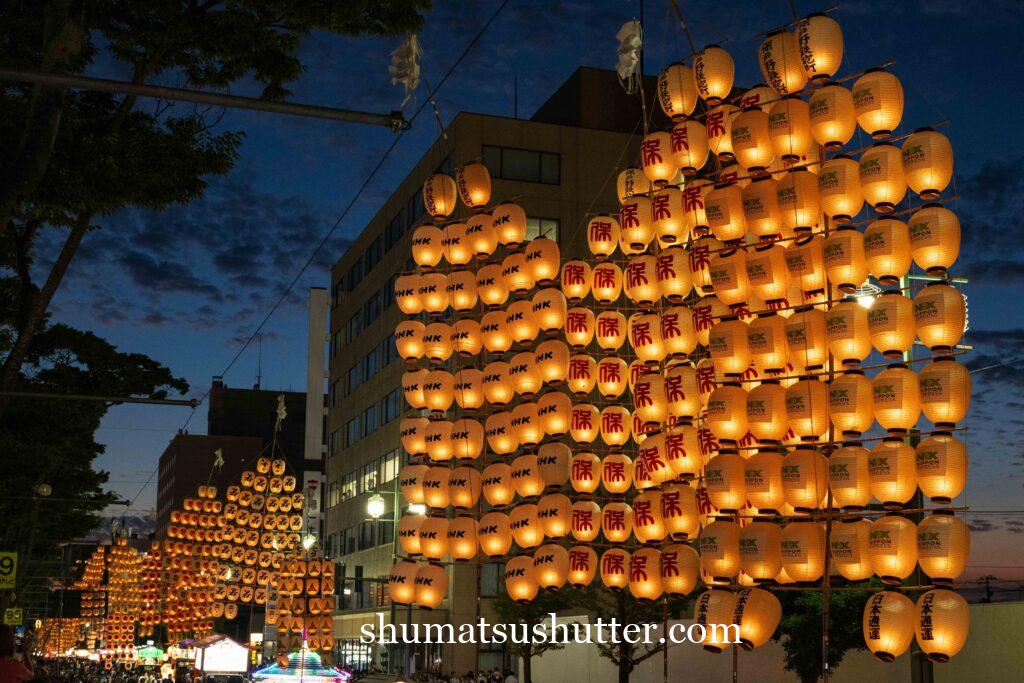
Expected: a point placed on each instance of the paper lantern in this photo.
(892, 548)
(673, 274)
(789, 127)
(833, 116)
(631, 181)
(896, 394)
(436, 492)
(439, 390)
(636, 229)
(945, 392)
(713, 72)
(586, 520)
(409, 533)
(467, 439)
(584, 423)
(551, 566)
(807, 409)
(554, 411)
(846, 332)
(848, 545)
(881, 177)
(934, 238)
(555, 512)
(849, 478)
(411, 481)
(466, 337)
(667, 215)
(611, 330)
(641, 280)
(603, 235)
(762, 476)
(728, 272)
(462, 541)
(781, 65)
(439, 195)
(677, 93)
(616, 473)
(645, 575)
(433, 293)
(509, 223)
(409, 339)
(434, 536)
(490, 285)
(723, 479)
(891, 324)
(469, 394)
(766, 339)
(751, 140)
(799, 200)
(493, 534)
(526, 528)
(679, 569)
(650, 401)
(582, 566)
(426, 246)
(501, 437)
(690, 146)
(757, 613)
(439, 440)
(805, 338)
(878, 101)
(943, 544)
(892, 473)
(728, 346)
(656, 158)
(526, 423)
(821, 45)
(767, 272)
(645, 337)
(679, 511)
(712, 610)
(455, 244)
(941, 623)
(727, 412)
(576, 278)
(700, 262)
(888, 624)
(580, 325)
(805, 259)
(611, 376)
(804, 480)
(497, 387)
(850, 403)
(760, 96)
(524, 374)
(474, 184)
(582, 375)
(412, 388)
(803, 550)
(437, 342)
(766, 412)
(615, 569)
(402, 582)
(941, 467)
(927, 162)
(431, 586)
(526, 476)
(464, 482)
(482, 238)
(681, 392)
(719, 547)
(607, 283)
(406, 295)
(887, 249)
(760, 558)
(616, 522)
(520, 579)
(761, 207)
(718, 122)
(839, 189)
(516, 273)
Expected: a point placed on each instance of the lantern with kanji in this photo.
(781, 65)
(941, 621)
(888, 624)
(713, 73)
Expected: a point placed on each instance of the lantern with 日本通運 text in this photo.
(757, 613)
(892, 548)
(888, 624)
(713, 609)
(941, 622)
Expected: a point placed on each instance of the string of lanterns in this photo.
(700, 377)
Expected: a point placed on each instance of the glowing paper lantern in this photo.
(927, 162)
(431, 586)
(455, 244)
(582, 566)
(839, 188)
(544, 259)
(713, 72)
(432, 292)
(677, 92)
(804, 480)
(718, 122)
(729, 276)
(760, 557)
(887, 249)
(439, 196)
(781, 65)
(406, 296)
(402, 582)
(607, 283)
(494, 534)
(474, 184)
(751, 140)
(728, 346)
(466, 337)
(615, 569)
(462, 541)
(850, 403)
(635, 224)
(943, 544)
(789, 126)
(433, 534)
(892, 473)
(821, 45)
(426, 246)
(409, 339)
(807, 408)
(892, 548)
(490, 285)
(941, 467)
(896, 394)
(586, 520)
(509, 223)
(410, 479)
(934, 238)
(723, 479)
(576, 278)
(656, 158)
(616, 473)
(526, 528)
(690, 146)
(848, 546)
(799, 200)
(833, 117)
(719, 548)
(761, 207)
(727, 412)
(878, 101)
(482, 238)
(941, 623)
(551, 566)
(631, 181)
(680, 567)
(641, 280)
(645, 575)
(439, 440)
(584, 423)
(554, 511)
(767, 272)
(437, 342)
(891, 324)
(803, 550)
(714, 607)
(681, 392)
(805, 338)
(766, 339)
(888, 624)
(945, 392)
(616, 522)
(645, 337)
(461, 290)
(679, 511)
(520, 579)
(412, 388)
(516, 273)
(881, 177)
(554, 412)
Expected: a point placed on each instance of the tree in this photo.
(625, 609)
(79, 157)
(800, 630)
(51, 442)
(535, 612)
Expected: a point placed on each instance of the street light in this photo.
(375, 506)
(417, 509)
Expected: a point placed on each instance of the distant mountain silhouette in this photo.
(141, 527)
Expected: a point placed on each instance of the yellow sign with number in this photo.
(13, 616)
(8, 569)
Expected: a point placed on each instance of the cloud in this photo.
(1015, 526)
(981, 525)
(990, 368)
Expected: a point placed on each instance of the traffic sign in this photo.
(13, 616)
(8, 569)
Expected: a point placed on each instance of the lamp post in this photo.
(376, 506)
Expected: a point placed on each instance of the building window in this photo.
(336, 343)
(372, 307)
(388, 292)
(334, 394)
(490, 576)
(389, 466)
(414, 211)
(370, 420)
(393, 233)
(352, 379)
(347, 542)
(351, 431)
(353, 328)
(333, 443)
(373, 253)
(354, 275)
(366, 535)
(368, 477)
(348, 486)
(387, 533)
(370, 366)
(333, 494)
(542, 227)
(527, 165)
(388, 351)
(391, 406)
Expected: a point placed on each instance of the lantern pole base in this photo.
(886, 657)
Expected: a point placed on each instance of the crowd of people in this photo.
(493, 676)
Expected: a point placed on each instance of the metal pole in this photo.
(393, 120)
(189, 403)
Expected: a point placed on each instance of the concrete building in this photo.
(561, 166)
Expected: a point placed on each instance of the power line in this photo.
(334, 227)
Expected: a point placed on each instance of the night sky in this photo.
(188, 285)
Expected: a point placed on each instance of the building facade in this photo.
(561, 167)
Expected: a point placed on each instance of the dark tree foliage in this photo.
(536, 612)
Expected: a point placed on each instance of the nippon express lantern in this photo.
(766, 412)
(892, 473)
(945, 392)
(878, 101)
(804, 479)
(927, 162)
(719, 547)
(850, 404)
(833, 117)
(848, 477)
(888, 624)
(839, 188)
(891, 324)
(941, 623)
(943, 544)
(934, 238)
(941, 467)
(892, 548)
(896, 395)
(760, 557)
(762, 476)
(803, 550)
(848, 545)
(887, 250)
(881, 177)
(940, 316)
